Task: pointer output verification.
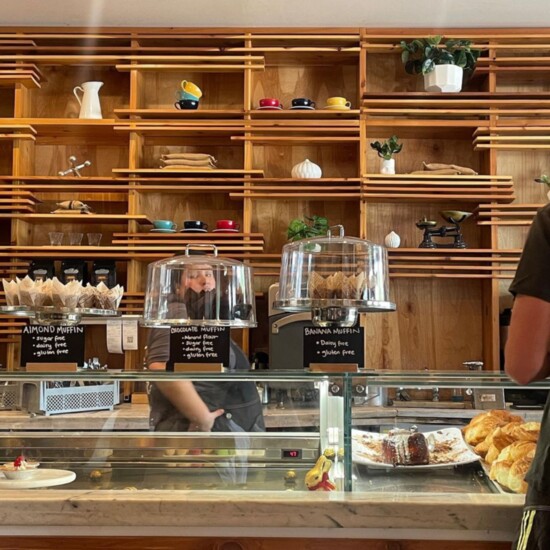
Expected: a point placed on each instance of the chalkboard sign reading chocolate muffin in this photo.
(199, 344)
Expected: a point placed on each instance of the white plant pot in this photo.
(444, 78)
(387, 166)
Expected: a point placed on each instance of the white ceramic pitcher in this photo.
(89, 104)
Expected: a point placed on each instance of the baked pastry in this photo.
(500, 471)
(516, 476)
(482, 425)
(403, 448)
(482, 448)
(517, 450)
(501, 438)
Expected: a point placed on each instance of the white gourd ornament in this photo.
(306, 170)
(392, 240)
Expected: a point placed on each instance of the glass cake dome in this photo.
(199, 289)
(335, 277)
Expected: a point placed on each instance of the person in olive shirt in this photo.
(181, 405)
(527, 359)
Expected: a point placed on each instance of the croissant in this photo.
(517, 450)
(516, 475)
(529, 431)
(483, 448)
(500, 471)
(504, 436)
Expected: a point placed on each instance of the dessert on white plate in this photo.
(20, 468)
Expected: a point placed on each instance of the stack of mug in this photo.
(189, 96)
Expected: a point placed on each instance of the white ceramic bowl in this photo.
(18, 474)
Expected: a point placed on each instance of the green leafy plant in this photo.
(544, 179)
(316, 226)
(422, 55)
(387, 149)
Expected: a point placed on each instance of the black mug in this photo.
(194, 224)
(186, 104)
(302, 102)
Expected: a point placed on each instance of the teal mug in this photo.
(181, 94)
(164, 224)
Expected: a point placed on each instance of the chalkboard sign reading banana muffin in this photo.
(334, 345)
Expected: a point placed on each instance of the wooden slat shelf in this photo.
(419, 128)
(218, 172)
(178, 114)
(301, 189)
(323, 114)
(9, 79)
(169, 242)
(76, 128)
(107, 219)
(435, 188)
(163, 129)
(507, 215)
(513, 137)
(298, 140)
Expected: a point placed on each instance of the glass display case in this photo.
(345, 417)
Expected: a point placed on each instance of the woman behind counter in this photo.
(182, 405)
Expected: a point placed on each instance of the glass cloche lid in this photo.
(199, 289)
(335, 277)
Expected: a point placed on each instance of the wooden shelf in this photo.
(410, 128)
(301, 189)
(513, 137)
(74, 128)
(452, 263)
(10, 130)
(435, 188)
(193, 128)
(218, 172)
(507, 215)
(319, 114)
(178, 114)
(107, 219)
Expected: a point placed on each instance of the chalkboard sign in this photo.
(334, 345)
(49, 344)
(197, 344)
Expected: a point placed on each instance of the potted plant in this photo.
(546, 180)
(441, 62)
(316, 226)
(386, 151)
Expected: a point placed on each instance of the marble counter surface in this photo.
(460, 515)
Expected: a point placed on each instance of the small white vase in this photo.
(548, 194)
(307, 170)
(444, 78)
(387, 166)
(392, 240)
(90, 107)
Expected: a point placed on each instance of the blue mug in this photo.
(164, 224)
(181, 94)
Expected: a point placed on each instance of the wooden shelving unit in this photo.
(499, 126)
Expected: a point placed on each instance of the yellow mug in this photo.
(338, 101)
(191, 88)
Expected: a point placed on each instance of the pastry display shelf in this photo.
(300, 189)
(107, 219)
(507, 214)
(50, 315)
(436, 188)
(178, 114)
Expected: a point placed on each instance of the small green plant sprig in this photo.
(387, 149)
(422, 55)
(316, 226)
(544, 179)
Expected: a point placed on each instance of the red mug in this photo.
(227, 224)
(270, 102)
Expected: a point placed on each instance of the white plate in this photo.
(457, 454)
(225, 231)
(163, 230)
(269, 108)
(303, 108)
(193, 231)
(337, 108)
(42, 477)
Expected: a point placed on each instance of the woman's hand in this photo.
(205, 423)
